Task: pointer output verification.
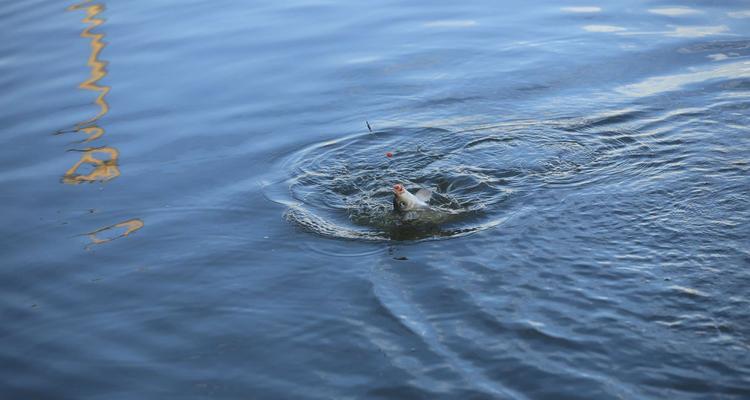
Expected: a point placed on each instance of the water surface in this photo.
(194, 207)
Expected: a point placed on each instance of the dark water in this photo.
(193, 206)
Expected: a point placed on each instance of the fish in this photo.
(404, 201)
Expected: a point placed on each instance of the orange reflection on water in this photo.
(114, 232)
(98, 67)
(103, 169)
(97, 164)
(107, 168)
(94, 133)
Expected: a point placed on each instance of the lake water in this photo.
(193, 206)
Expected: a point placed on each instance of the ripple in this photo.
(480, 177)
(662, 84)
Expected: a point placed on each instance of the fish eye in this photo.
(402, 204)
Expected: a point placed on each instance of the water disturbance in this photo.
(479, 177)
(193, 205)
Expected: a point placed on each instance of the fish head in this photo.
(403, 200)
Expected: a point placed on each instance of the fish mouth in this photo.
(398, 188)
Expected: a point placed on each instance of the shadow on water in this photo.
(97, 164)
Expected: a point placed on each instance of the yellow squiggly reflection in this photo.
(103, 170)
(98, 67)
(102, 161)
(116, 231)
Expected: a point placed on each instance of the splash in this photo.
(479, 177)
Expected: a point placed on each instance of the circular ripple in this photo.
(342, 188)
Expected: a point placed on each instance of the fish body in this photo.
(413, 212)
(405, 201)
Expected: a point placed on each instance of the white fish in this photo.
(404, 201)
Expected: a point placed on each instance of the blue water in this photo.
(194, 207)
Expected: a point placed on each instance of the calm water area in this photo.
(193, 205)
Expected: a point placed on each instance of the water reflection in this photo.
(674, 11)
(739, 14)
(113, 232)
(97, 164)
(451, 23)
(103, 170)
(697, 31)
(98, 67)
(677, 31)
(582, 9)
(661, 84)
(603, 28)
(718, 56)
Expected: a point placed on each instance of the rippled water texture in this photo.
(194, 206)
(478, 177)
